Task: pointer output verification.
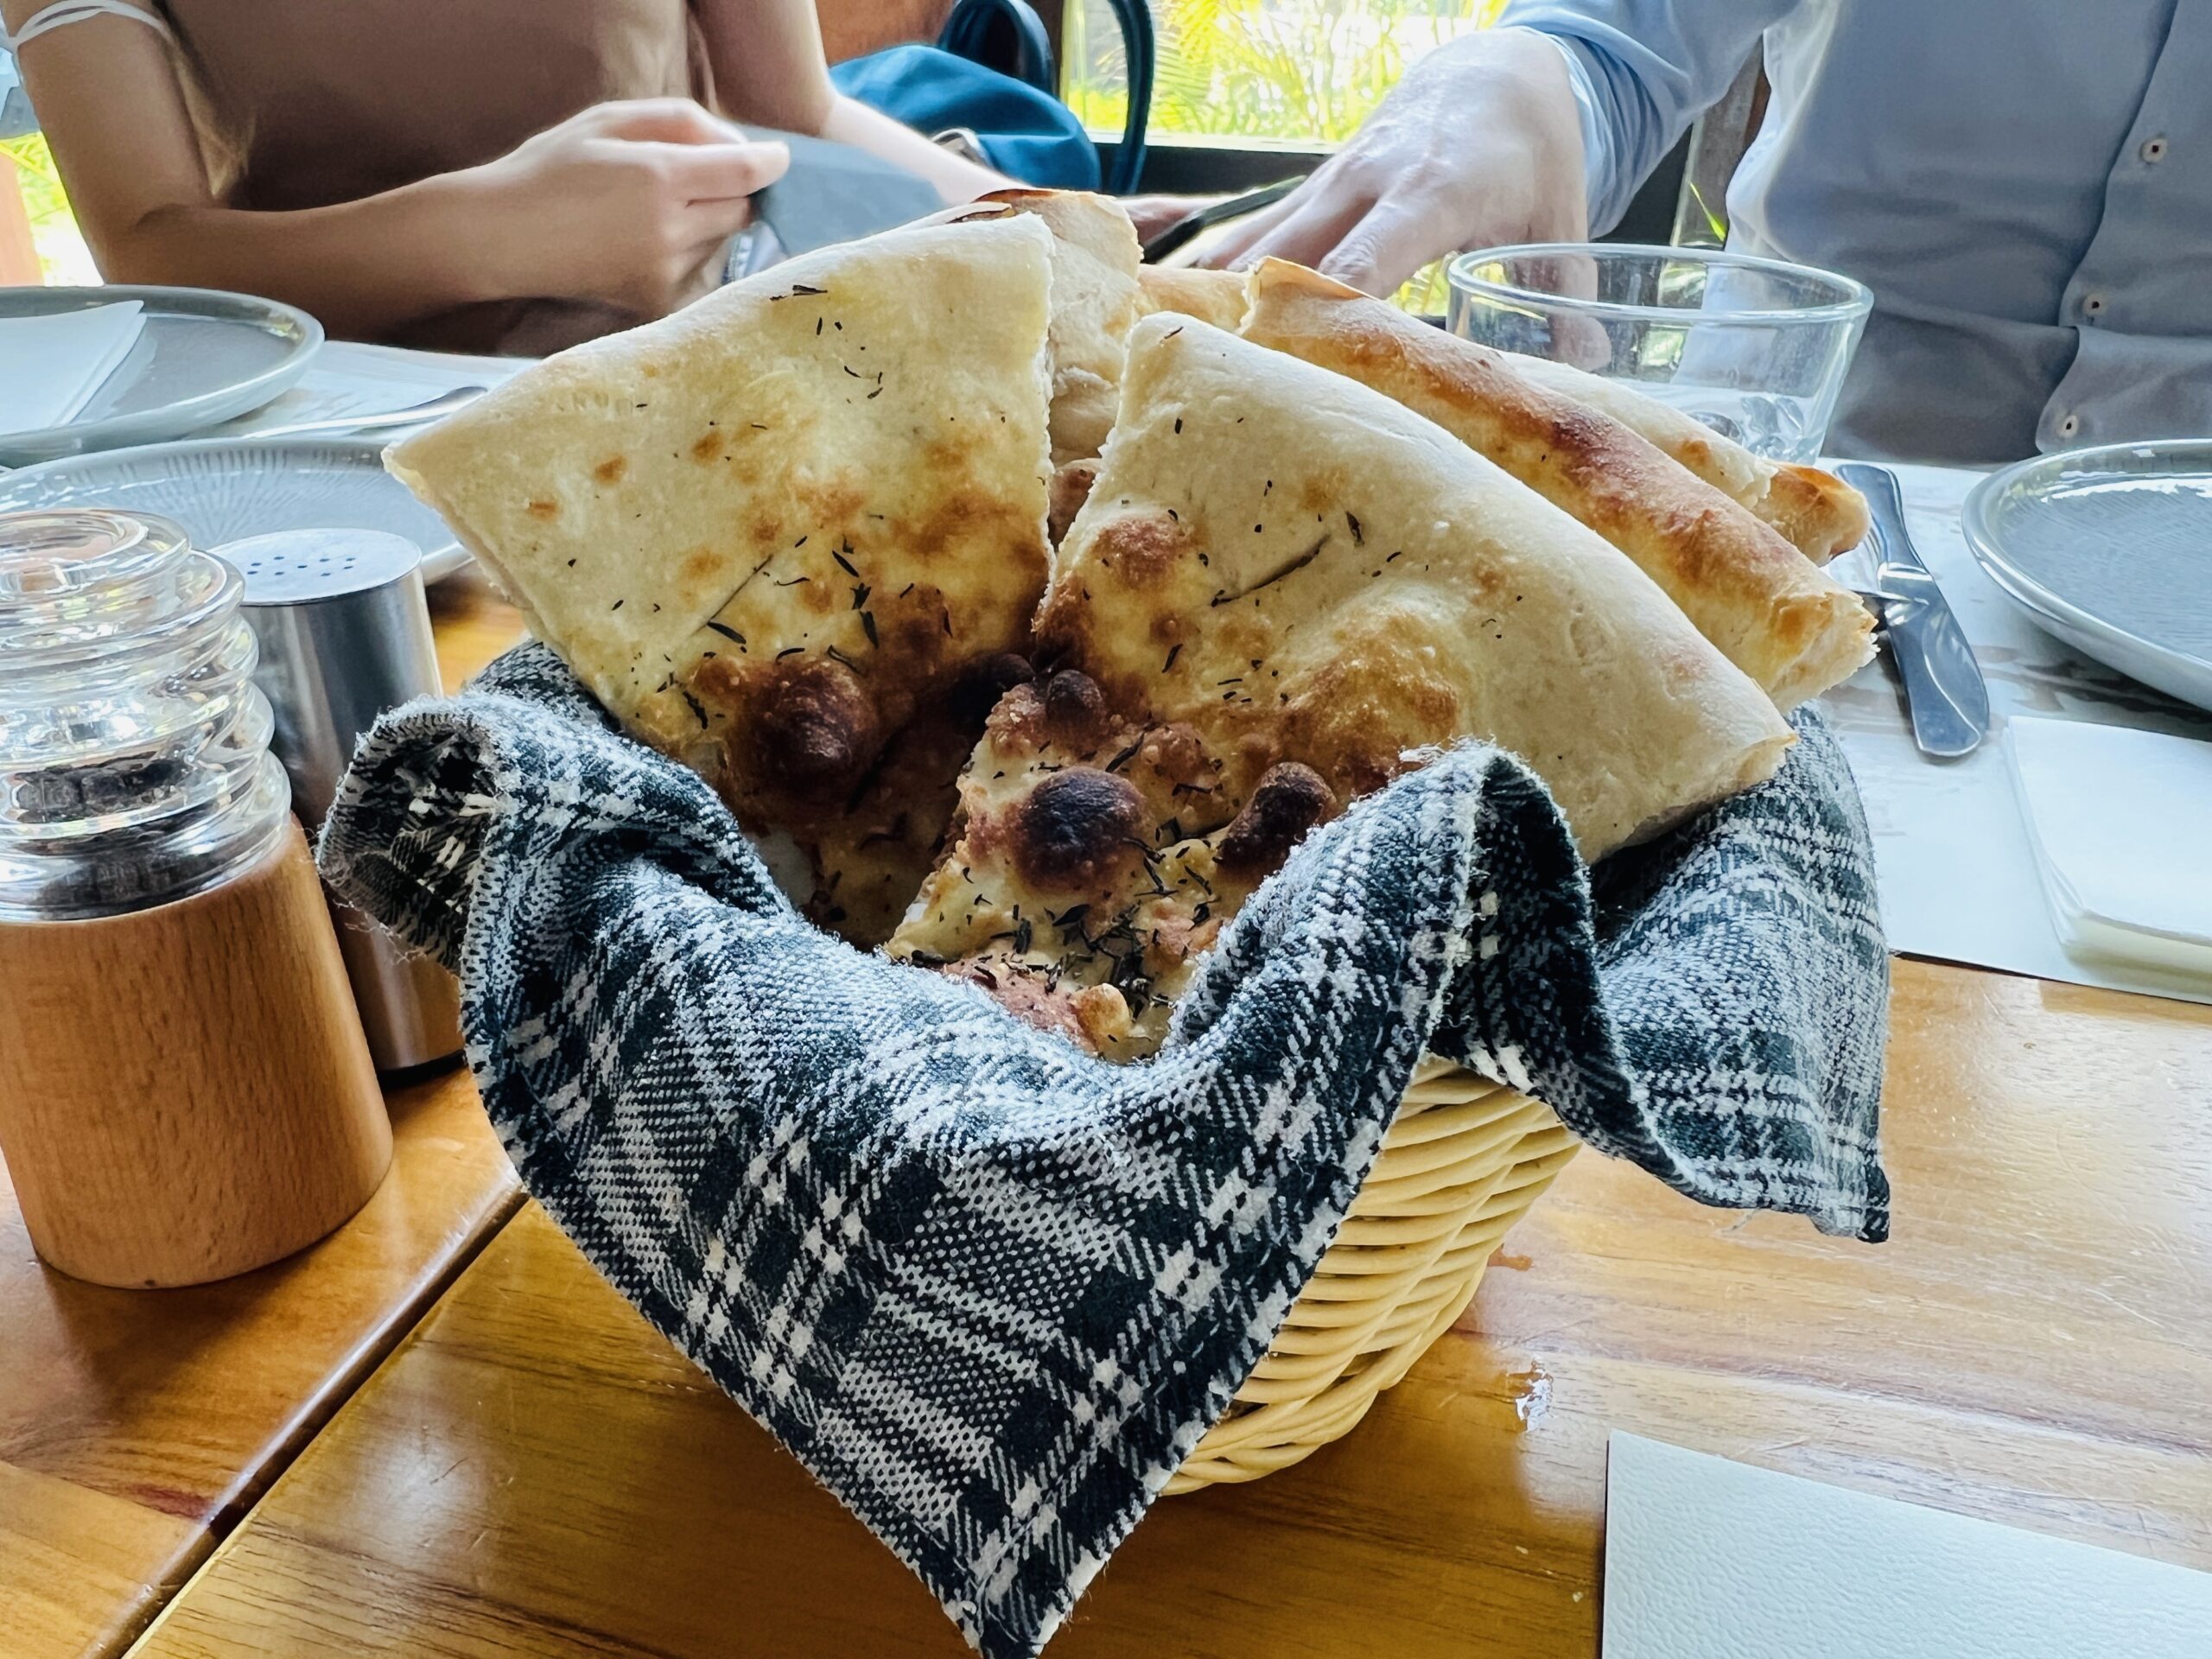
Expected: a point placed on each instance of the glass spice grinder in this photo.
(185, 1091)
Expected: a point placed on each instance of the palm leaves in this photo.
(1291, 70)
(54, 231)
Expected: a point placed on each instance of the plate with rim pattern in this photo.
(223, 489)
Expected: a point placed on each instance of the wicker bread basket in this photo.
(1462, 1160)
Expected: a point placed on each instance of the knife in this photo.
(1944, 687)
(1192, 225)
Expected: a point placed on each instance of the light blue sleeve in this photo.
(1642, 71)
(15, 103)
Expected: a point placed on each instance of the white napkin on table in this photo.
(1707, 1559)
(50, 366)
(2117, 819)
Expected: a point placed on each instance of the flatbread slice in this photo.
(784, 534)
(1816, 512)
(1214, 296)
(1771, 611)
(1094, 304)
(1283, 588)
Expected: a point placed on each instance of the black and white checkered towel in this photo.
(989, 1290)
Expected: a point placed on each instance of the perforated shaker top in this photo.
(294, 567)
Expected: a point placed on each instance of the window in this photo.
(1298, 73)
(27, 175)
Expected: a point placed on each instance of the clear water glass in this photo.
(1755, 348)
(134, 746)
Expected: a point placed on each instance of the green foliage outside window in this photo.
(1300, 72)
(1295, 71)
(61, 251)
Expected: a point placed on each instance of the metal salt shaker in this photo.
(344, 634)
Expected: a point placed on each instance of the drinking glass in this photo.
(1754, 348)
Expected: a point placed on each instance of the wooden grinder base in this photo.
(185, 1092)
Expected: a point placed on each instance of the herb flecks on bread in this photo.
(784, 534)
(1283, 588)
(1770, 610)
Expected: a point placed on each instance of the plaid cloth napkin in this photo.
(989, 1290)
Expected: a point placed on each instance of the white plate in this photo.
(221, 489)
(2111, 550)
(204, 357)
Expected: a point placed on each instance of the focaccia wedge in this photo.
(1284, 587)
(1815, 511)
(789, 535)
(1094, 304)
(1214, 296)
(1770, 610)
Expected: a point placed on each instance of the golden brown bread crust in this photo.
(1816, 513)
(1281, 588)
(1748, 590)
(1297, 567)
(778, 533)
(1082, 879)
(1070, 489)
(1095, 302)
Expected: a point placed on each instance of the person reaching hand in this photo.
(1478, 145)
(2022, 183)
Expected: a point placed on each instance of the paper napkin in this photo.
(1705, 1558)
(2118, 821)
(51, 365)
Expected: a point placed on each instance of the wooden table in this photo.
(136, 1428)
(533, 1471)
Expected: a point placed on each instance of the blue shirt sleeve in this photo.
(1642, 70)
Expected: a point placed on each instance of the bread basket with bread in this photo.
(1039, 623)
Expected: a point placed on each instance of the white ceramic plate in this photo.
(221, 489)
(204, 357)
(2111, 550)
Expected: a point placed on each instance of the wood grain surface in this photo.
(186, 1092)
(472, 622)
(136, 1426)
(536, 1472)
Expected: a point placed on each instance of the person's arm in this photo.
(618, 204)
(1641, 70)
(769, 67)
(1531, 131)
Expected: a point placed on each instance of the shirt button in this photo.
(2069, 425)
(2153, 150)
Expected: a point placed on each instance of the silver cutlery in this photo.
(444, 403)
(1944, 692)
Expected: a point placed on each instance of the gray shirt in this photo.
(2026, 186)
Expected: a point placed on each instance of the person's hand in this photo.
(1479, 145)
(1153, 214)
(630, 203)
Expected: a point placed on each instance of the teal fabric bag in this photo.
(1027, 134)
(992, 75)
